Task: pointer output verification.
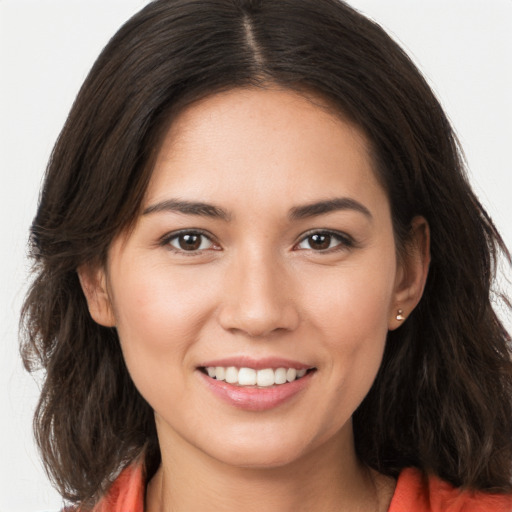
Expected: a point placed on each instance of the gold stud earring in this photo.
(400, 315)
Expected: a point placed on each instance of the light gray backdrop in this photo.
(46, 49)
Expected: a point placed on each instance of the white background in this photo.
(46, 49)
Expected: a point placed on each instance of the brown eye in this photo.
(189, 242)
(324, 241)
(319, 241)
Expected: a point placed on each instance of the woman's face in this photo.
(265, 244)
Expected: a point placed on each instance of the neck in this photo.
(330, 478)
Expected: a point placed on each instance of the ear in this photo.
(94, 285)
(411, 273)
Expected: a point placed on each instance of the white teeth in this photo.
(231, 375)
(291, 373)
(249, 377)
(280, 376)
(265, 377)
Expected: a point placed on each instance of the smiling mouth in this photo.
(264, 378)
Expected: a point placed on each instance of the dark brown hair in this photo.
(442, 398)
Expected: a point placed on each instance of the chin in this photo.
(263, 452)
(260, 459)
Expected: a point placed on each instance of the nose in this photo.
(258, 297)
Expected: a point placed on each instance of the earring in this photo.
(400, 315)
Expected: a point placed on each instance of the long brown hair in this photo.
(442, 398)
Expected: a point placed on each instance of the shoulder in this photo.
(126, 493)
(421, 493)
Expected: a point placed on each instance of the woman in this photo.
(262, 274)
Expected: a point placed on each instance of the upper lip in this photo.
(256, 364)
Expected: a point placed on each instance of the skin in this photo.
(258, 286)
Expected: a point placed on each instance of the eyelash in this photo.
(344, 241)
(169, 238)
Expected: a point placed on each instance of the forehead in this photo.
(260, 141)
(271, 107)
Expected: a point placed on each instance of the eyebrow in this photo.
(328, 206)
(188, 208)
(296, 213)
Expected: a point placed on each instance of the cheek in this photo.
(354, 302)
(159, 315)
(157, 305)
(350, 312)
(356, 341)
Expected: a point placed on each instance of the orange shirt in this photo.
(414, 493)
(417, 493)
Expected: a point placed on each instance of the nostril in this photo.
(257, 321)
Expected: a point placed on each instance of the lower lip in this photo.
(254, 398)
